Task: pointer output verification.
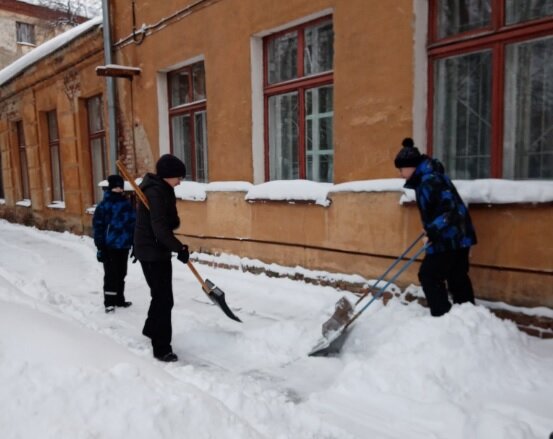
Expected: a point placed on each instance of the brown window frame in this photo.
(54, 143)
(494, 37)
(190, 109)
(94, 135)
(23, 161)
(299, 85)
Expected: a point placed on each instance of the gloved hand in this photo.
(183, 254)
(100, 256)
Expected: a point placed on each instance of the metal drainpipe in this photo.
(111, 89)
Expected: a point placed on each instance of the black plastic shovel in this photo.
(215, 294)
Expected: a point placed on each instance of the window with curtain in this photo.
(97, 144)
(491, 77)
(23, 164)
(298, 89)
(55, 159)
(25, 33)
(188, 119)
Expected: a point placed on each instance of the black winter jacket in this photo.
(154, 239)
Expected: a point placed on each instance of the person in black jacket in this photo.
(448, 227)
(154, 240)
(113, 224)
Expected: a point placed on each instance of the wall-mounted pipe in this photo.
(111, 89)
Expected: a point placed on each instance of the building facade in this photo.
(257, 91)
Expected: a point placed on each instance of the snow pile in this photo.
(496, 191)
(69, 370)
(291, 190)
(190, 191)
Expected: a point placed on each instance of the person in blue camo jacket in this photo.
(113, 222)
(448, 227)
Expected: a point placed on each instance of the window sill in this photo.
(59, 205)
(24, 43)
(23, 203)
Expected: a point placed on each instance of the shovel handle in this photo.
(371, 288)
(197, 275)
(144, 201)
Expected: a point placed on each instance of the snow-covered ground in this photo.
(68, 370)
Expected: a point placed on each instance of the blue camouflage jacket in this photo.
(445, 217)
(113, 222)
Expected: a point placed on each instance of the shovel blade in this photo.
(217, 296)
(343, 312)
(330, 345)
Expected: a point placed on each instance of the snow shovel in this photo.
(344, 310)
(334, 340)
(215, 294)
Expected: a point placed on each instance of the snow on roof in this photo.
(45, 49)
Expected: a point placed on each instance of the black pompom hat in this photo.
(409, 156)
(169, 166)
(115, 181)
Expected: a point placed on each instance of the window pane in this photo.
(99, 173)
(198, 76)
(283, 137)
(181, 141)
(26, 193)
(457, 16)
(179, 86)
(95, 114)
(57, 189)
(52, 126)
(462, 114)
(319, 48)
(1, 178)
(517, 11)
(24, 170)
(318, 133)
(200, 130)
(25, 33)
(528, 139)
(282, 58)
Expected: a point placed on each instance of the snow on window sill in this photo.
(23, 203)
(483, 191)
(291, 191)
(57, 205)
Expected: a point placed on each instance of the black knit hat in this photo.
(169, 166)
(115, 181)
(409, 156)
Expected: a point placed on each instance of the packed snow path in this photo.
(68, 370)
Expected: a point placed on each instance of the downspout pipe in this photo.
(111, 89)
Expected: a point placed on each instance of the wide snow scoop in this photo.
(334, 340)
(344, 310)
(215, 294)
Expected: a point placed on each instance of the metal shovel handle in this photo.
(390, 268)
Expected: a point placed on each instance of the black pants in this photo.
(449, 267)
(158, 323)
(115, 270)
